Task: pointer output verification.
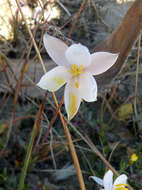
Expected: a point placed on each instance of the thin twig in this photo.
(99, 17)
(72, 149)
(76, 18)
(51, 150)
(64, 8)
(32, 38)
(53, 120)
(137, 71)
(113, 149)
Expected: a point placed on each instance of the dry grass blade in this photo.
(137, 71)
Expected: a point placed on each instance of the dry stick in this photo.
(78, 14)
(137, 70)
(9, 84)
(8, 65)
(73, 152)
(72, 149)
(3, 99)
(113, 149)
(110, 108)
(5, 72)
(103, 106)
(5, 125)
(66, 23)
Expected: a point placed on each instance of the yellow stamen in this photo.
(121, 187)
(120, 184)
(76, 70)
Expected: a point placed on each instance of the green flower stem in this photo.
(30, 146)
(27, 158)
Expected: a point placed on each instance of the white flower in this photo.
(76, 67)
(119, 184)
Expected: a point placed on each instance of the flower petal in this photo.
(79, 55)
(107, 180)
(101, 62)
(97, 180)
(54, 79)
(88, 87)
(56, 49)
(122, 179)
(72, 99)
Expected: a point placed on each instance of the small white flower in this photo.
(119, 184)
(76, 67)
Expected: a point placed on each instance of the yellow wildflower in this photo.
(133, 158)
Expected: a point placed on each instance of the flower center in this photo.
(75, 70)
(121, 187)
